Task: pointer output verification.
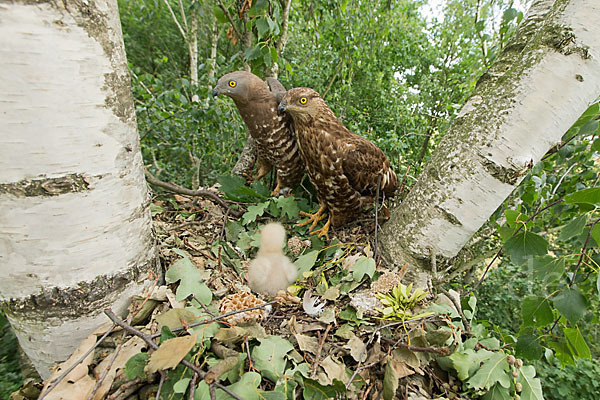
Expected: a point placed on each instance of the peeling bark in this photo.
(521, 108)
(75, 226)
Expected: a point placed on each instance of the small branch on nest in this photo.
(108, 367)
(208, 321)
(72, 367)
(160, 384)
(441, 351)
(194, 193)
(318, 355)
(124, 387)
(465, 322)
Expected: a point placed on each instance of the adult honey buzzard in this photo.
(344, 168)
(257, 104)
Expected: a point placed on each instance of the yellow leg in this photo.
(275, 191)
(324, 231)
(313, 219)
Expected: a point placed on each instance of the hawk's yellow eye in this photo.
(232, 83)
(302, 100)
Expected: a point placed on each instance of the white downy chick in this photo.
(271, 271)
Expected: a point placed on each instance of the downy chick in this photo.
(271, 270)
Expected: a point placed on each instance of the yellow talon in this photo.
(324, 231)
(276, 191)
(313, 219)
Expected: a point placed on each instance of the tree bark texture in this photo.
(545, 78)
(75, 226)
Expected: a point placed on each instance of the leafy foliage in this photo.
(10, 371)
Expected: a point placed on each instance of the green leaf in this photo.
(528, 347)
(313, 390)
(509, 14)
(134, 367)
(390, 381)
(548, 268)
(571, 303)
(305, 262)
(596, 145)
(589, 128)
(221, 18)
(497, 392)
(254, 212)
(577, 343)
(191, 281)
(288, 206)
(466, 362)
(262, 26)
(181, 385)
(573, 228)
(586, 196)
(525, 245)
(494, 370)
(363, 266)
(247, 386)
(596, 234)
(532, 387)
(269, 356)
(155, 209)
(536, 311)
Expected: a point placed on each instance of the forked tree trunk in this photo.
(545, 78)
(75, 227)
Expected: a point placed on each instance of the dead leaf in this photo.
(349, 261)
(375, 354)
(407, 356)
(78, 379)
(232, 335)
(307, 343)
(181, 199)
(328, 316)
(130, 348)
(170, 353)
(334, 370)
(331, 293)
(400, 367)
(173, 318)
(358, 350)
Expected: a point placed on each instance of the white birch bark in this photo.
(75, 227)
(546, 77)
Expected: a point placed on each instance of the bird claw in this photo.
(324, 231)
(313, 219)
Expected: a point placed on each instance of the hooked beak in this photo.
(215, 91)
(282, 107)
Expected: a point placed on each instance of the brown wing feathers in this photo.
(257, 105)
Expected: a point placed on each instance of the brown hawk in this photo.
(344, 168)
(257, 104)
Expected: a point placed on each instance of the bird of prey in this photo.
(344, 168)
(257, 103)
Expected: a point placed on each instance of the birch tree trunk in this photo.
(545, 78)
(75, 227)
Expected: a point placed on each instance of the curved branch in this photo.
(188, 192)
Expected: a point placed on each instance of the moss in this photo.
(71, 183)
(84, 298)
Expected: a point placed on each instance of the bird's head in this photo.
(301, 103)
(239, 85)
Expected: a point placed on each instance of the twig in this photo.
(176, 22)
(123, 388)
(441, 351)
(500, 250)
(465, 322)
(196, 193)
(72, 367)
(208, 321)
(211, 391)
(160, 384)
(148, 340)
(583, 249)
(337, 71)
(359, 366)
(318, 355)
(226, 12)
(187, 223)
(193, 386)
(108, 367)
(376, 215)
